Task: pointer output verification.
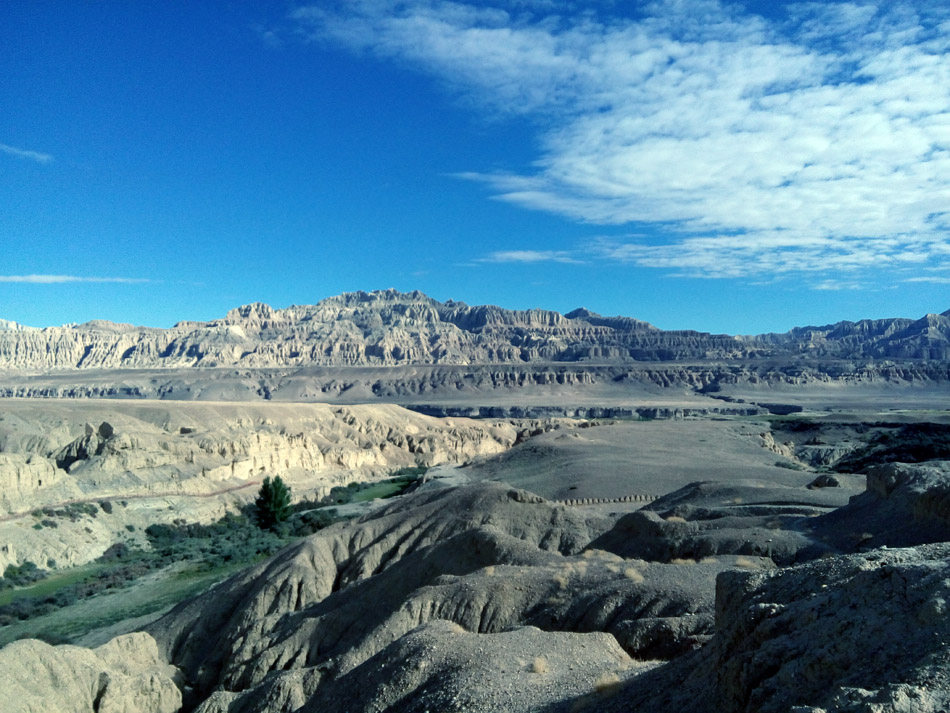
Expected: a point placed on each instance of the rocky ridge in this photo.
(488, 558)
(393, 328)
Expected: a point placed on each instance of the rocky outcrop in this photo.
(392, 328)
(125, 675)
(27, 480)
(859, 633)
(865, 632)
(194, 461)
(905, 504)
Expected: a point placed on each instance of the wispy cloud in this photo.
(529, 256)
(933, 279)
(838, 286)
(818, 142)
(57, 279)
(24, 153)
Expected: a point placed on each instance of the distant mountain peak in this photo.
(581, 313)
(254, 310)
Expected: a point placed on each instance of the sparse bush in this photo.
(789, 465)
(307, 523)
(633, 575)
(607, 683)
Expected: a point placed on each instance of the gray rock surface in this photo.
(904, 504)
(851, 633)
(414, 620)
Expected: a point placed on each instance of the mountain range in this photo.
(390, 328)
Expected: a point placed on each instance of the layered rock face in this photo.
(924, 338)
(152, 462)
(387, 328)
(392, 328)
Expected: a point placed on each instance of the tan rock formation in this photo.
(159, 462)
(125, 675)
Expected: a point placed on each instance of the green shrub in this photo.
(22, 575)
(272, 503)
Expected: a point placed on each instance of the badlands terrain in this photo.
(587, 513)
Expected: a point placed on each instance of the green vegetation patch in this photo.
(400, 481)
(181, 560)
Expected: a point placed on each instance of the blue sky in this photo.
(735, 168)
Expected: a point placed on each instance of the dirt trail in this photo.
(79, 501)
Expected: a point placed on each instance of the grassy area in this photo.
(361, 492)
(150, 594)
(378, 490)
(181, 561)
(52, 583)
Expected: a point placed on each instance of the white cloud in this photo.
(531, 256)
(838, 286)
(932, 279)
(58, 279)
(818, 142)
(24, 153)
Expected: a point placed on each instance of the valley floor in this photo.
(741, 563)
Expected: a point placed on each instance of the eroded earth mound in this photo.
(484, 597)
